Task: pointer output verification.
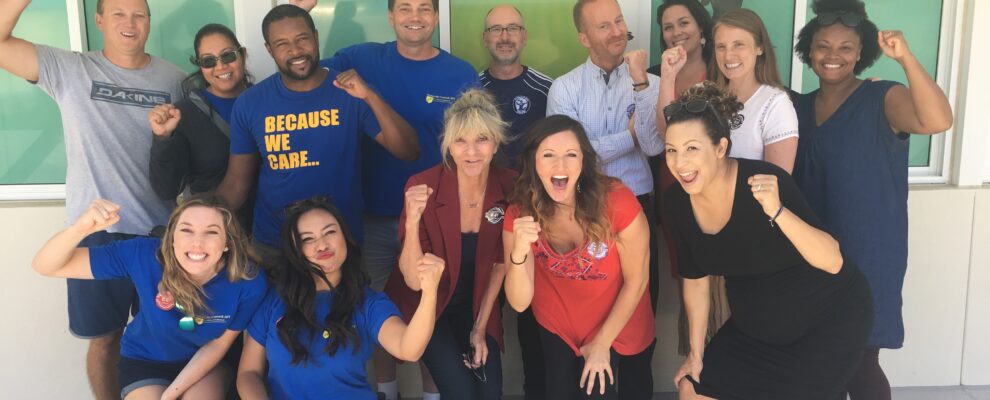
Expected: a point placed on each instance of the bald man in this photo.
(521, 91)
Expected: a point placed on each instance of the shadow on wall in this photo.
(343, 28)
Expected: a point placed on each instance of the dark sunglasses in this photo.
(226, 57)
(187, 322)
(849, 19)
(696, 106)
(478, 372)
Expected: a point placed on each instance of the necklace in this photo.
(473, 204)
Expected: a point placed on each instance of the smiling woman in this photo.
(801, 313)
(197, 289)
(577, 243)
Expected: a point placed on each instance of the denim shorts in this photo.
(380, 254)
(100, 307)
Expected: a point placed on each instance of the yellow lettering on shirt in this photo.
(269, 124)
(278, 131)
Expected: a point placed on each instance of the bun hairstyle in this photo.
(719, 119)
(866, 30)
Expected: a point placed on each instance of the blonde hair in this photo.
(766, 63)
(239, 257)
(474, 112)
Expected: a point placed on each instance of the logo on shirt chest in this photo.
(521, 104)
(278, 134)
(630, 110)
(433, 98)
(111, 93)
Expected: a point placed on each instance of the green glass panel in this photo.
(33, 151)
(343, 23)
(174, 24)
(553, 46)
(777, 15)
(921, 22)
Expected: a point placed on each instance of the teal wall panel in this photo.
(31, 147)
(348, 22)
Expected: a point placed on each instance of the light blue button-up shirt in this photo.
(604, 109)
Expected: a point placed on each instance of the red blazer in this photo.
(440, 234)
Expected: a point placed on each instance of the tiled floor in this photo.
(914, 393)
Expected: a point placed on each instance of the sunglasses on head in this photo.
(226, 57)
(849, 19)
(696, 106)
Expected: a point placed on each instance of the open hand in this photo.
(596, 366)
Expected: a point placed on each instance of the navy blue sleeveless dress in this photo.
(853, 170)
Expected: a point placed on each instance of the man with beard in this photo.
(615, 100)
(521, 91)
(303, 127)
(104, 97)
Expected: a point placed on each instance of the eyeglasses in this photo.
(226, 57)
(498, 29)
(849, 19)
(187, 322)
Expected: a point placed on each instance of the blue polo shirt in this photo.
(308, 144)
(420, 91)
(154, 334)
(322, 377)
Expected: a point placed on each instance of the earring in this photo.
(578, 188)
(225, 249)
(703, 42)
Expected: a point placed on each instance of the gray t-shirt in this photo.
(107, 138)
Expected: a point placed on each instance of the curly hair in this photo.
(701, 18)
(294, 281)
(239, 259)
(866, 30)
(719, 119)
(532, 198)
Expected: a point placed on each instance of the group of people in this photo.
(384, 202)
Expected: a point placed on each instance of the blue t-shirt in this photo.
(522, 101)
(309, 145)
(154, 334)
(420, 91)
(222, 106)
(322, 377)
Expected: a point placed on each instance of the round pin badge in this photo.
(598, 250)
(165, 301)
(495, 214)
